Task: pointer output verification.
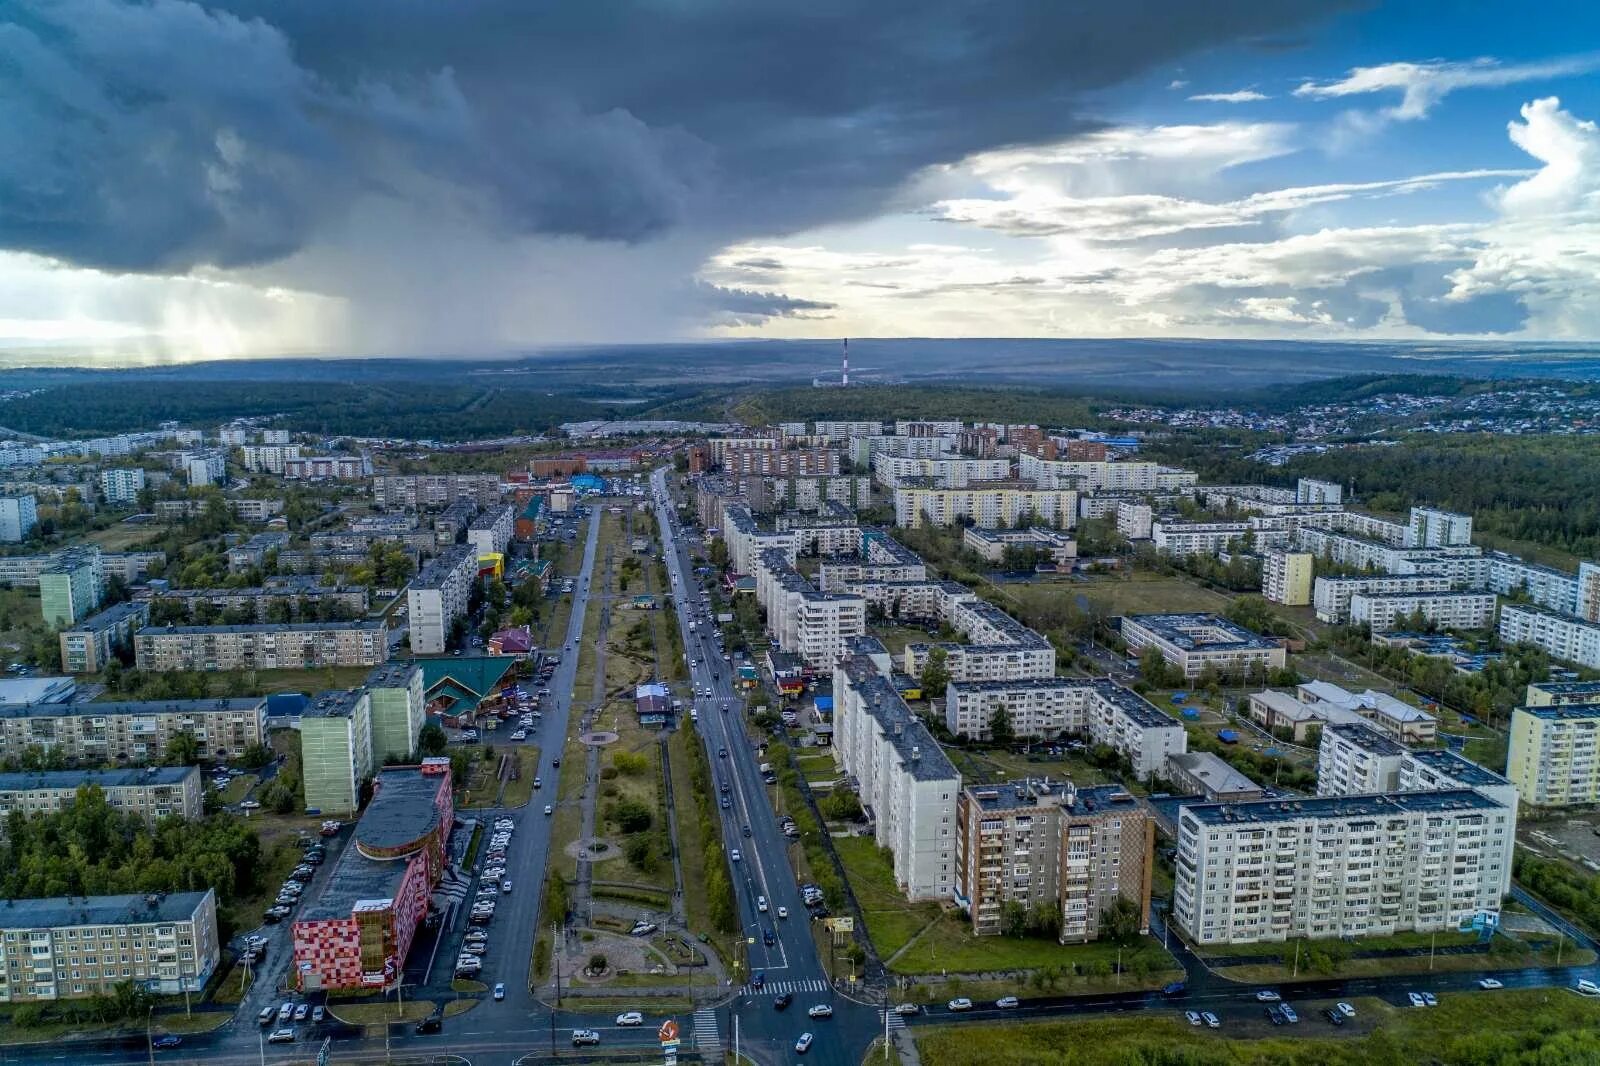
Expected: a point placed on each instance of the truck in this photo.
(765, 768)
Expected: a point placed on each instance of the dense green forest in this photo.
(434, 409)
(1538, 489)
(1046, 407)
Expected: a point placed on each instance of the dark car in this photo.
(767, 938)
(1274, 1015)
(431, 1024)
(162, 1043)
(1333, 1016)
(783, 1001)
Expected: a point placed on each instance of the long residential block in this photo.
(296, 646)
(152, 794)
(133, 731)
(1565, 637)
(1192, 642)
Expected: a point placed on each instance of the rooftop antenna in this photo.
(844, 370)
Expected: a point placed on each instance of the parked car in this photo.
(281, 1036)
(1428, 1000)
(1346, 1009)
(1415, 999)
(286, 1011)
(1211, 1020)
(302, 1012)
(1193, 1017)
(959, 1004)
(631, 1017)
(1333, 1016)
(318, 1013)
(1274, 1015)
(1289, 1015)
(1587, 988)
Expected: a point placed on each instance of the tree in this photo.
(182, 750)
(255, 756)
(1121, 921)
(1000, 727)
(431, 741)
(935, 674)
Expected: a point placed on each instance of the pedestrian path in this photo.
(777, 988)
(707, 1036)
(895, 1020)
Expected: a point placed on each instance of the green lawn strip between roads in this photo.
(891, 920)
(1506, 1027)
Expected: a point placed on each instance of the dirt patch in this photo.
(599, 739)
(595, 849)
(624, 955)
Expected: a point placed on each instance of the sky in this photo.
(186, 180)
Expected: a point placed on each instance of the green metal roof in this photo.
(468, 676)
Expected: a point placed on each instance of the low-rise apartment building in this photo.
(87, 648)
(150, 793)
(252, 554)
(1192, 642)
(1565, 637)
(991, 544)
(1042, 843)
(357, 932)
(1383, 611)
(1202, 773)
(135, 731)
(997, 647)
(67, 947)
(1331, 596)
(1553, 758)
(1340, 866)
(904, 778)
(437, 597)
(991, 504)
(291, 646)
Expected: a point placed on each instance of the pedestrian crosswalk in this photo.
(895, 1020)
(707, 1037)
(777, 988)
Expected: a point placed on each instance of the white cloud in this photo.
(1177, 83)
(1238, 96)
(1203, 148)
(1422, 85)
(1040, 213)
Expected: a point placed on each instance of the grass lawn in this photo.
(1490, 1027)
(994, 767)
(1364, 945)
(568, 815)
(239, 787)
(519, 788)
(644, 787)
(895, 638)
(692, 845)
(123, 535)
(201, 1022)
(950, 946)
(891, 921)
(1136, 592)
(381, 1013)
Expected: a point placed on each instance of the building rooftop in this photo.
(112, 617)
(30, 780)
(1214, 772)
(333, 703)
(1194, 631)
(1379, 703)
(81, 708)
(1029, 794)
(1458, 767)
(57, 912)
(268, 627)
(1387, 804)
(919, 754)
(1366, 738)
(402, 812)
(1568, 712)
(396, 673)
(442, 566)
(1559, 689)
(30, 690)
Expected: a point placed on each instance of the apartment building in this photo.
(68, 947)
(424, 492)
(151, 794)
(747, 541)
(862, 449)
(336, 749)
(327, 467)
(287, 646)
(1433, 528)
(1587, 592)
(262, 604)
(928, 427)
(803, 493)
(782, 462)
(1565, 637)
(1446, 610)
(357, 932)
(1286, 577)
(269, 458)
(904, 778)
(1553, 759)
(437, 596)
(1092, 476)
(813, 625)
(844, 430)
(1200, 773)
(991, 504)
(1183, 539)
(1135, 521)
(832, 532)
(204, 468)
(1355, 759)
(71, 585)
(997, 647)
(1442, 770)
(1097, 709)
(131, 567)
(255, 508)
(1331, 596)
(1345, 866)
(1561, 693)
(991, 544)
(18, 515)
(399, 709)
(132, 731)
(1035, 843)
(1312, 490)
(490, 532)
(1545, 586)
(120, 486)
(948, 472)
(1192, 642)
(252, 554)
(88, 646)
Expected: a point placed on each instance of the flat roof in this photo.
(111, 616)
(57, 912)
(1366, 737)
(1459, 767)
(402, 811)
(1567, 712)
(267, 627)
(1175, 629)
(920, 755)
(1251, 812)
(333, 703)
(127, 777)
(82, 708)
(397, 673)
(1026, 794)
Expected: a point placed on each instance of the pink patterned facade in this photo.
(357, 933)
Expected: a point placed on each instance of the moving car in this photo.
(165, 1042)
(821, 1010)
(631, 1017)
(761, 904)
(267, 1014)
(1587, 988)
(959, 1004)
(1490, 982)
(431, 1024)
(734, 855)
(549, 809)
(783, 912)
(1007, 1002)
(783, 1001)
(500, 990)
(1266, 995)
(585, 1038)
(803, 1045)
(907, 1008)
(281, 1036)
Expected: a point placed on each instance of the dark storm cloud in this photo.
(733, 306)
(163, 134)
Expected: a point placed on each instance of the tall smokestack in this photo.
(844, 370)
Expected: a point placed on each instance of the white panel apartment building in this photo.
(122, 484)
(1095, 475)
(746, 540)
(997, 647)
(1432, 528)
(1272, 870)
(1191, 642)
(1311, 490)
(814, 625)
(1095, 708)
(902, 774)
(953, 472)
(1355, 759)
(1447, 610)
(1331, 596)
(1545, 585)
(18, 515)
(1565, 637)
(269, 458)
(437, 596)
(1195, 538)
(490, 532)
(990, 505)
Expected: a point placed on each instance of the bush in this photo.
(630, 816)
(629, 763)
(641, 852)
(608, 773)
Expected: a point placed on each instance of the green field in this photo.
(950, 946)
(891, 921)
(1504, 1028)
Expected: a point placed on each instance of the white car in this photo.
(1007, 1002)
(761, 904)
(821, 1010)
(521, 734)
(1587, 988)
(959, 1004)
(1266, 995)
(251, 805)
(1415, 999)
(1490, 983)
(631, 1017)
(1193, 1017)
(1345, 1009)
(734, 855)
(783, 912)
(549, 809)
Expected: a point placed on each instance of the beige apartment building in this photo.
(133, 732)
(153, 793)
(1041, 842)
(73, 947)
(299, 646)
